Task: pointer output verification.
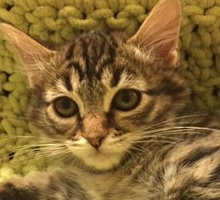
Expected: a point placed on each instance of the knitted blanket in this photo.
(58, 21)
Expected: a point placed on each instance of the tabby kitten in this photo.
(116, 112)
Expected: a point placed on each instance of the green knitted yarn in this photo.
(57, 21)
(200, 50)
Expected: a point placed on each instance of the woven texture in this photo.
(58, 20)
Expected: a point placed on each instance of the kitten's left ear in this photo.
(160, 32)
(34, 57)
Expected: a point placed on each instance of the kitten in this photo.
(119, 117)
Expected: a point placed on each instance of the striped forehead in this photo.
(87, 57)
(97, 60)
(90, 53)
(94, 60)
(109, 79)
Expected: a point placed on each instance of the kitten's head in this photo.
(99, 94)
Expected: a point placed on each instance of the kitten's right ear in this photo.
(160, 32)
(33, 56)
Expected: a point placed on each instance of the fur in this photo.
(115, 113)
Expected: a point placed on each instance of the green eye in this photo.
(126, 99)
(65, 107)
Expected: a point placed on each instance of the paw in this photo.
(17, 191)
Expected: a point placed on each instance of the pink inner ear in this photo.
(160, 31)
(173, 58)
(32, 54)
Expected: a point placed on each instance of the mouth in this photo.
(104, 158)
(97, 160)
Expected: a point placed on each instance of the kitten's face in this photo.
(102, 96)
(96, 101)
(98, 95)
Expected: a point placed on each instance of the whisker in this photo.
(176, 118)
(140, 148)
(170, 130)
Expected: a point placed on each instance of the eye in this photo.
(65, 107)
(126, 99)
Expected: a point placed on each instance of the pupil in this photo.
(126, 98)
(66, 104)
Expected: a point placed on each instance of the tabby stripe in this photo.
(89, 64)
(66, 80)
(107, 61)
(75, 65)
(111, 52)
(215, 175)
(107, 58)
(110, 47)
(116, 76)
(69, 53)
(162, 112)
(198, 154)
(72, 187)
(85, 53)
(140, 118)
(184, 192)
(56, 128)
(101, 50)
(167, 87)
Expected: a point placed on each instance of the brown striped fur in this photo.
(161, 149)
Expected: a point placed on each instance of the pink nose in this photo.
(94, 129)
(95, 142)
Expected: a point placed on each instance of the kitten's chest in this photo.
(98, 186)
(112, 185)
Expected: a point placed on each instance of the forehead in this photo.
(91, 53)
(98, 60)
(95, 55)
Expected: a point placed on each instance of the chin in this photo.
(102, 160)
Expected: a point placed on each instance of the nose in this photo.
(94, 129)
(95, 141)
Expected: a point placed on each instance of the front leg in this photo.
(43, 186)
(27, 188)
(9, 191)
